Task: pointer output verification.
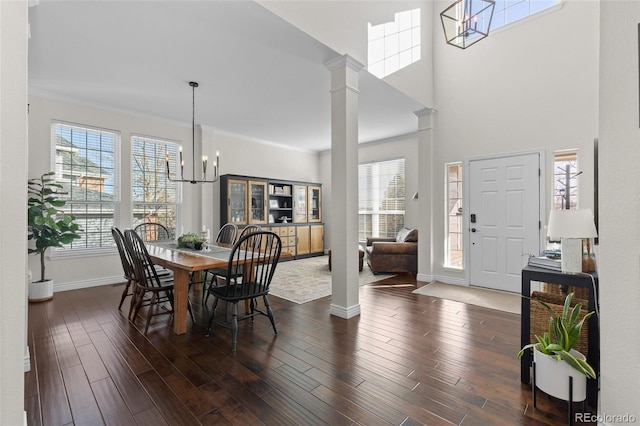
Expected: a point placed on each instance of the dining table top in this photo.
(168, 254)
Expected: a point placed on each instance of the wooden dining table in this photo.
(182, 262)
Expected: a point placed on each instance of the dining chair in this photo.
(127, 268)
(148, 281)
(152, 231)
(259, 253)
(226, 235)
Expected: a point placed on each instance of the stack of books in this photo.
(547, 260)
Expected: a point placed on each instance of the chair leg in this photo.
(206, 288)
(140, 298)
(125, 293)
(270, 313)
(234, 326)
(152, 305)
(213, 314)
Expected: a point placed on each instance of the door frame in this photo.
(466, 197)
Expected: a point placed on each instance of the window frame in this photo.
(56, 253)
(447, 216)
(557, 173)
(401, 43)
(173, 161)
(377, 212)
(536, 14)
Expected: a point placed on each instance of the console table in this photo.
(530, 273)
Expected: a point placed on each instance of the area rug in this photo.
(492, 299)
(304, 280)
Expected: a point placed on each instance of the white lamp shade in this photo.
(571, 224)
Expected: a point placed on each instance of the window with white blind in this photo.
(453, 218)
(86, 167)
(154, 197)
(381, 198)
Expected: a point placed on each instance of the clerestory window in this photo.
(394, 45)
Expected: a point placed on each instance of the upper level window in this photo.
(508, 11)
(154, 197)
(381, 199)
(86, 168)
(394, 45)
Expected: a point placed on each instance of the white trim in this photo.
(345, 312)
(75, 101)
(27, 360)
(450, 280)
(75, 285)
(424, 278)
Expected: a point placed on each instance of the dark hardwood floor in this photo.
(407, 359)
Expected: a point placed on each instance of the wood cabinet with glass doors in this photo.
(307, 202)
(243, 201)
(291, 209)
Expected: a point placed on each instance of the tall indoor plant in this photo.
(555, 356)
(48, 226)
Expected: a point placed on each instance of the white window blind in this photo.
(154, 197)
(86, 168)
(381, 198)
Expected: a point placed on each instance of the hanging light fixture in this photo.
(466, 22)
(216, 163)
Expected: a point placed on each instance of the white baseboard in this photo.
(450, 280)
(345, 312)
(74, 285)
(424, 278)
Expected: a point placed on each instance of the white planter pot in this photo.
(40, 291)
(552, 376)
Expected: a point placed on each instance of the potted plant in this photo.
(48, 227)
(555, 357)
(191, 240)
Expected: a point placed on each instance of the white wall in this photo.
(200, 202)
(530, 86)
(342, 25)
(619, 195)
(402, 147)
(13, 202)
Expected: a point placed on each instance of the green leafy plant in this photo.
(562, 335)
(47, 225)
(190, 240)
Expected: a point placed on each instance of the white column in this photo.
(13, 207)
(344, 186)
(426, 193)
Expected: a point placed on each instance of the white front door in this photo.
(504, 219)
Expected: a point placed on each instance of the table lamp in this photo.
(571, 226)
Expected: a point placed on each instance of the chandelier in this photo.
(216, 163)
(466, 22)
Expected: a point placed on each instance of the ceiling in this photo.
(259, 76)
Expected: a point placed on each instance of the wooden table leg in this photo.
(180, 300)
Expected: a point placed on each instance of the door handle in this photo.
(473, 229)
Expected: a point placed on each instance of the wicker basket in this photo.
(540, 317)
(563, 290)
